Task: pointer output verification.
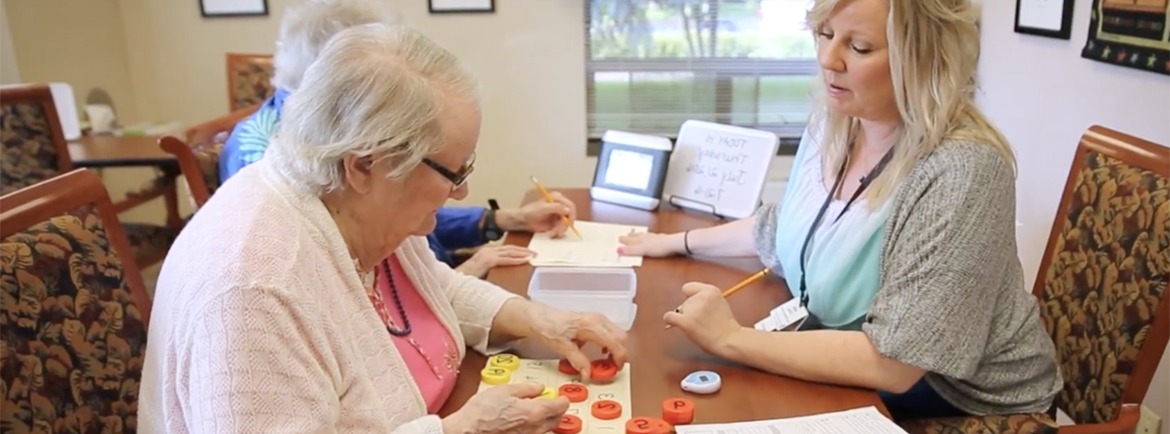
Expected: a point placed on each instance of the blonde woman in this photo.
(303, 298)
(896, 231)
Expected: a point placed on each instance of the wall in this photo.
(1044, 96)
(77, 42)
(531, 69)
(9, 66)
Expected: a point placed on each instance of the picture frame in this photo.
(461, 6)
(1129, 34)
(233, 8)
(1050, 18)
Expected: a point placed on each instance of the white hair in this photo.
(376, 90)
(308, 25)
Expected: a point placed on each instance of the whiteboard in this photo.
(720, 169)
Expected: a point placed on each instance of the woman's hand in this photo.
(651, 244)
(566, 332)
(705, 317)
(488, 257)
(507, 408)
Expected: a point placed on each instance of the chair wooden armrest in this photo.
(200, 167)
(206, 133)
(1126, 423)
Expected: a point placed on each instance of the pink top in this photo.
(429, 350)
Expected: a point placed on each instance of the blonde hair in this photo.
(934, 52)
(376, 90)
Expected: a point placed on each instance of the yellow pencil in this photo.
(548, 197)
(744, 284)
(735, 288)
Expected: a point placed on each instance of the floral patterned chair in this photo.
(35, 150)
(1102, 289)
(74, 314)
(249, 79)
(34, 144)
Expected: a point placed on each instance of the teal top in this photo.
(844, 255)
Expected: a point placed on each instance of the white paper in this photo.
(597, 247)
(1041, 14)
(783, 316)
(860, 420)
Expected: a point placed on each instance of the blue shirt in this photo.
(456, 228)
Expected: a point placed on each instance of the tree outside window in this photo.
(653, 64)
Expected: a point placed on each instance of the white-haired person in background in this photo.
(304, 29)
(897, 230)
(303, 297)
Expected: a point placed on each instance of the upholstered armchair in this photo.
(34, 144)
(1102, 289)
(74, 311)
(35, 150)
(249, 79)
(198, 156)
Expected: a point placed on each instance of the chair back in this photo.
(74, 312)
(249, 79)
(1102, 285)
(33, 142)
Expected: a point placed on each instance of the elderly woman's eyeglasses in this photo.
(457, 178)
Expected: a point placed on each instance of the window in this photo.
(653, 64)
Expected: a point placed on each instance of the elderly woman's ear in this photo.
(359, 173)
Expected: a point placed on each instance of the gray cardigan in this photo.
(951, 299)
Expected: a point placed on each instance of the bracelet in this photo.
(687, 243)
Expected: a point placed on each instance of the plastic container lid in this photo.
(608, 291)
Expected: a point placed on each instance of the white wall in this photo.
(1044, 96)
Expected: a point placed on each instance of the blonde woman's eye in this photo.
(860, 50)
(826, 35)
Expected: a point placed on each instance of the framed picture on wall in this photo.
(233, 8)
(461, 6)
(1129, 34)
(1051, 18)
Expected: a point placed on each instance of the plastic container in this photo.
(608, 291)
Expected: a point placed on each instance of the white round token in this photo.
(702, 382)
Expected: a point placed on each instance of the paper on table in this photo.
(597, 247)
(859, 420)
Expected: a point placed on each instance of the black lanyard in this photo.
(865, 181)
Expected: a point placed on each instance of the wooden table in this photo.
(108, 151)
(116, 151)
(660, 358)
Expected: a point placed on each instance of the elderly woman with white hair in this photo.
(303, 298)
(304, 29)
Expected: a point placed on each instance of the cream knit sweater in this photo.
(261, 324)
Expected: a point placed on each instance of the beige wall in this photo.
(529, 57)
(76, 42)
(9, 66)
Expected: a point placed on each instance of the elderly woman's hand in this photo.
(566, 332)
(508, 408)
